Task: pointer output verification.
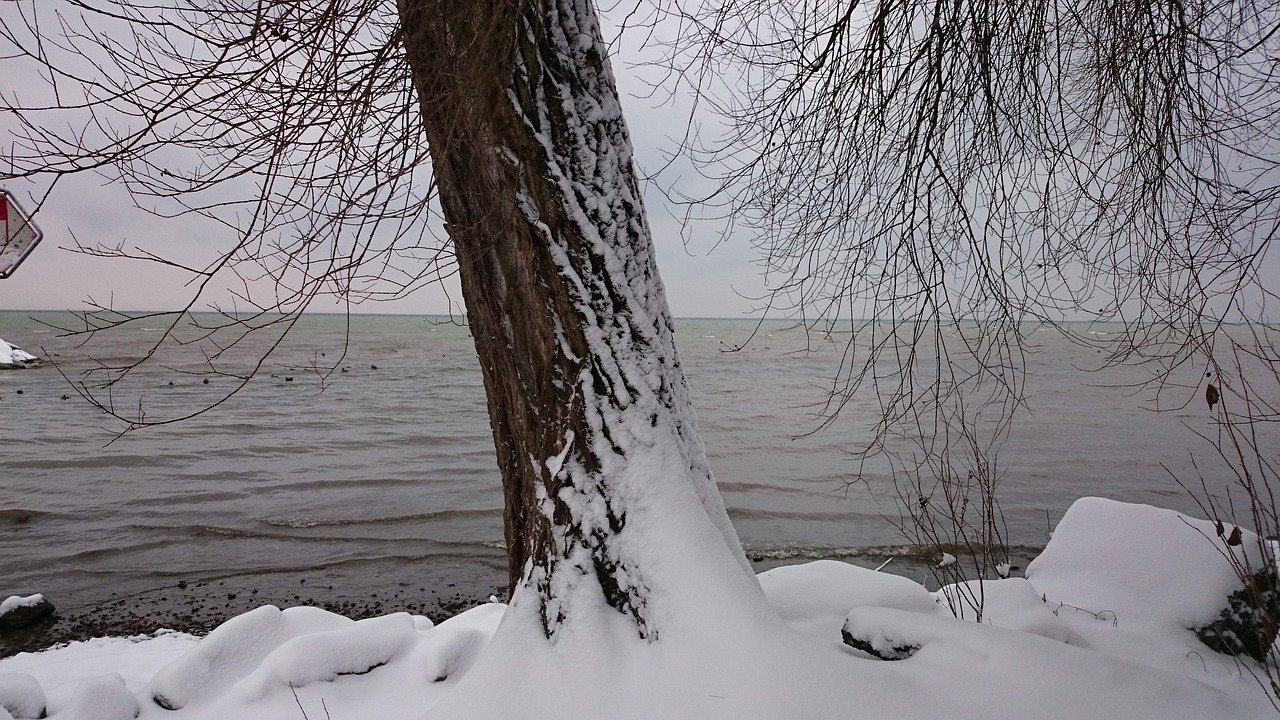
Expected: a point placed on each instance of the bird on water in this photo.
(1211, 395)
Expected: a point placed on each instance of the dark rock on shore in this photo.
(17, 613)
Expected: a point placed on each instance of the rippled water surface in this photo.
(385, 470)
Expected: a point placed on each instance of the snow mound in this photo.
(452, 652)
(1132, 581)
(1012, 603)
(234, 649)
(13, 357)
(1129, 582)
(323, 656)
(21, 696)
(101, 698)
(1139, 565)
(976, 670)
(815, 597)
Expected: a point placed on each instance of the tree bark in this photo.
(587, 400)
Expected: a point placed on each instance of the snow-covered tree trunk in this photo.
(608, 495)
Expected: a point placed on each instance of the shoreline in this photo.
(199, 607)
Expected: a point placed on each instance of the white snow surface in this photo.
(1098, 629)
(12, 356)
(21, 696)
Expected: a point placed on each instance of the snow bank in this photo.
(324, 656)
(1134, 580)
(233, 650)
(13, 357)
(1096, 630)
(1139, 564)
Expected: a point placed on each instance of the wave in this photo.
(760, 487)
(907, 551)
(495, 560)
(248, 534)
(107, 552)
(212, 496)
(305, 523)
(805, 515)
(444, 547)
(325, 484)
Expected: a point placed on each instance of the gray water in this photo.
(384, 478)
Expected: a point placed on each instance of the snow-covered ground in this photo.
(13, 357)
(1098, 628)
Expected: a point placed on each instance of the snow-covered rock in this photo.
(814, 598)
(13, 357)
(1128, 581)
(884, 633)
(1139, 565)
(1135, 580)
(17, 611)
(13, 602)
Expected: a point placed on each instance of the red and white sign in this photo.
(20, 235)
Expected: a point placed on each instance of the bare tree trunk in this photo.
(585, 391)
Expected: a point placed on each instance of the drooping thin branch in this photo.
(291, 128)
(956, 174)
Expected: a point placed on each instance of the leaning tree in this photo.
(320, 134)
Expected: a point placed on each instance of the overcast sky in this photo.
(704, 279)
(700, 281)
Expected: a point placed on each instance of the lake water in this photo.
(382, 481)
